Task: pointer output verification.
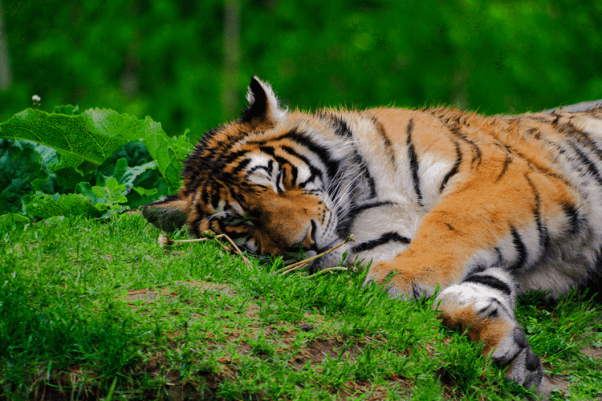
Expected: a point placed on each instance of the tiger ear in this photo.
(263, 104)
(167, 214)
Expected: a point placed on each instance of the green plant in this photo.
(95, 163)
(113, 194)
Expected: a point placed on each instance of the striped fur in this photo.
(484, 207)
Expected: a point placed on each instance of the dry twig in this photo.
(331, 269)
(166, 241)
(305, 262)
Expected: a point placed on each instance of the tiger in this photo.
(471, 210)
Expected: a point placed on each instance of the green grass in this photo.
(92, 310)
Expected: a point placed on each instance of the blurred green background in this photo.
(187, 63)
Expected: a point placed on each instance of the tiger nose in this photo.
(310, 238)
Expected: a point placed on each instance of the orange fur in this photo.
(484, 207)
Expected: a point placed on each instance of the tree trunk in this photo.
(129, 83)
(231, 57)
(5, 72)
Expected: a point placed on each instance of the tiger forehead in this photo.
(239, 136)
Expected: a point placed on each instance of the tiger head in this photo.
(274, 181)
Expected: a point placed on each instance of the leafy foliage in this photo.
(95, 163)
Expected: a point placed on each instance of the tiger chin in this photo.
(485, 208)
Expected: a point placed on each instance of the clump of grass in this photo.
(90, 310)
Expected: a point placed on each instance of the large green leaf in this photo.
(71, 135)
(84, 141)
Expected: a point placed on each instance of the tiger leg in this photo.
(482, 305)
(465, 251)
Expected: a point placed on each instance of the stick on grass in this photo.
(166, 241)
(305, 262)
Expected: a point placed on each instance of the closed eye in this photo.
(238, 220)
(261, 171)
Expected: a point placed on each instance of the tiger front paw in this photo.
(396, 282)
(524, 367)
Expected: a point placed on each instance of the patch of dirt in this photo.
(593, 352)
(153, 294)
(548, 384)
(551, 383)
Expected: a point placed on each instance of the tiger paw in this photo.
(395, 281)
(524, 367)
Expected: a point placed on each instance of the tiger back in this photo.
(485, 208)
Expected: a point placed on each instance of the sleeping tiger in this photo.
(485, 208)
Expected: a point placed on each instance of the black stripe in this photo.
(267, 149)
(296, 154)
(544, 236)
(215, 198)
(341, 127)
(504, 167)
(500, 258)
(235, 155)
(543, 170)
(495, 312)
(519, 247)
(591, 167)
(477, 269)
(384, 239)
(309, 179)
(383, 135)
(254, 169)
(475, 147)
(361, 208)
(205, 196)
(501, 306)
(520, 340)
(573, 215)
(492, 315)
(504, 360)
(454, 129)
(533, 132)
(313, 170)
(294, 174)
(585, 140)
(359, 160)
(454, 169)
(413, 161)
(489, 281)
(416, 291)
